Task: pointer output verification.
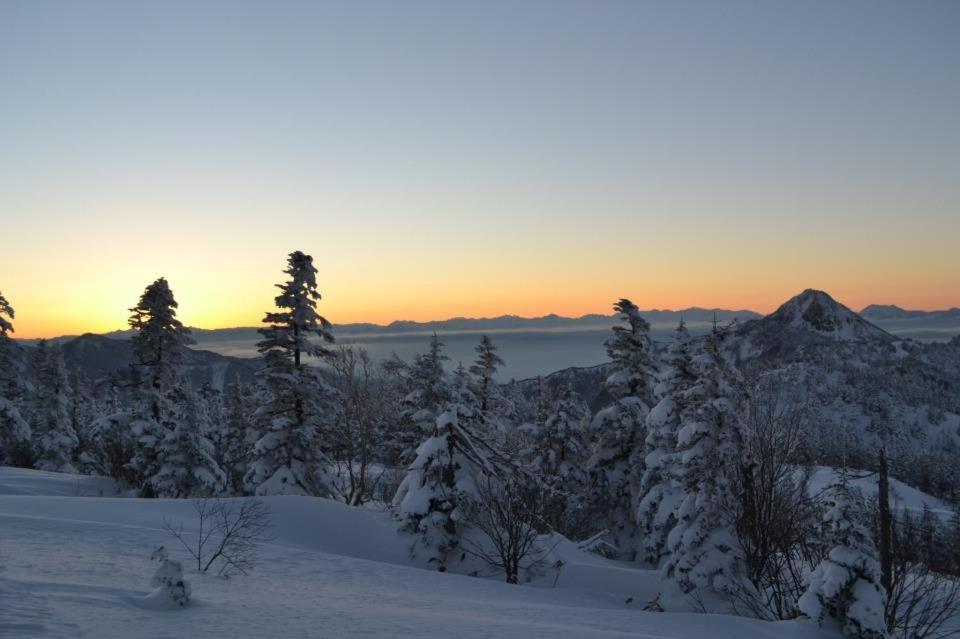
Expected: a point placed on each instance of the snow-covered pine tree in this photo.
(112, 447)
(237, 436)
(186, 462)
(485, 389)
(845, 587)
(82, 415)
(430, 500)
(619, 429)
(287, 458)
(15, 436)
(428, 391)
(558, 451)
(701, 543)
(660, 487)
(6, 324)
(158, 347)
(159, 342)
(54, 439)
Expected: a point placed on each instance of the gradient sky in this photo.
(454, 158)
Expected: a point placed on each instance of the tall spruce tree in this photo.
(661, 487)
(702, 543)
(287, 458)
(55, 441)
(158, 348)
(485, 389)
(15, 435)
(619, 429)
(428, 391)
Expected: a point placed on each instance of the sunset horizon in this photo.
(763, 305)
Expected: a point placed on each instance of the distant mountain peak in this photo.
(812, 319)
(817, 311)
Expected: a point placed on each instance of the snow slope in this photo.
(77, 566)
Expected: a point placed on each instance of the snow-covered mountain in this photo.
(860, 385)
(811, 320)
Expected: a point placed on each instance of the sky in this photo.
(444, 159)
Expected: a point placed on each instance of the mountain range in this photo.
(541, 345)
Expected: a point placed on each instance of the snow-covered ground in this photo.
(74, 563)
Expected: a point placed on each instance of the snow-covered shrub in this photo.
(845, 587)
(505, 517)
(228, 531)
(169, 585)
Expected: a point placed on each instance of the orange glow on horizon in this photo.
(35, 320)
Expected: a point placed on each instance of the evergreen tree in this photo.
(557, 455)
(845, 587)
(82, 414)
(616, 463)
(237, 436)
(15, 432)
(158, 343)
(55, 441)
(185, 458)
(428, 391)
(483, 369)
(702, 543)
(633, 364)
(660, 487)
(287, 457)
(430, 500)
(6, 325)
(112, 446)
(158, 347)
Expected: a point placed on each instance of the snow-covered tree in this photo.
(186, 461)
(158, 343)
(633, 363)
(660, 486)
(158, 348)
(82, 414)
(702, 543)
(430, 500)
(619, 429)
(112, 443)
(55, 441)
(845, 587)
(287, 458)
(558, 450)
(6, 325)
(483, 369)
(15, 433)
(237, 436)
(427, 392)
